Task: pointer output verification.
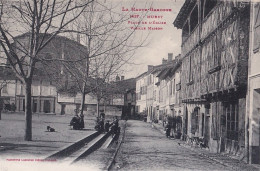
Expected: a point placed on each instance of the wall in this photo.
(141, 88)
(252, 136)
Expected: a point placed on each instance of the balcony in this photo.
(213, 19)
(191, 41)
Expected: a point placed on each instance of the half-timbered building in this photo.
(214, 71)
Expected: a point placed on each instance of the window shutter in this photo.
(256, 28)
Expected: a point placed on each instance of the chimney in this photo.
(170, 55)
(150, 68)
(117, 78)
(122, 78)
(164, 61)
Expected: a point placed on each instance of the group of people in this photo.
(105, 127)
(77, 122)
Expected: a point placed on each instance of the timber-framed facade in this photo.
(215, 36)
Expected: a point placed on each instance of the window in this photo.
(173, 87)
(208, 5)
(190, 70)
(194, 21)
(178, 87)
(256, 27)
(185, 31)
(170, 88)
(150, 79)
(22, 93)
(231, 112)
(195, 120)
(5, 88)
(160, 96)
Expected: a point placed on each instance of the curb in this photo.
(112, 160)
(67, 150)
(93, 147)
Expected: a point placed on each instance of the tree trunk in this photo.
(83, 99)
(28, 111)
(98, 107)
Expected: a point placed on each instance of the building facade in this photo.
(253, 93)
(48, 75)
(170, 106)
(141, 93)
(162, 95)
(214, 72)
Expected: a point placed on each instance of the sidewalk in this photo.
(217, 157)
(44, 143)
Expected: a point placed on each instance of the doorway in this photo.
(46, 106)
(63, 106)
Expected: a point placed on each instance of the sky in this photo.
(160, 42)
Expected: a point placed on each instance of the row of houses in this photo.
(212, 88)
(53, 92)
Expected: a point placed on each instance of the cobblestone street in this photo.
(145, 148)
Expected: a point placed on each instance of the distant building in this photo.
(44, 86)
(156, 95)
(122, 95)
(170, 105)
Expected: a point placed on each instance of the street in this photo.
(145, 148)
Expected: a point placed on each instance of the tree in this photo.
(3, 84)
(110, 43)
(42, 21)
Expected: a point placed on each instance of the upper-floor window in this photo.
(150, 79)
(256, 28)
(170, 88)
(185, 31)
(143, 90)
(191, 65)
(191, 23)
(5, 88)
(173, 87)
(194, 19)
(207, 6)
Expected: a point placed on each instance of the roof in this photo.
(123, 85)
(161, 67)
(170, 70)
(183, 13)
(55, 37)
(163, 74)
(143, 74)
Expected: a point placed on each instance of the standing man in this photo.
(102, 115)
